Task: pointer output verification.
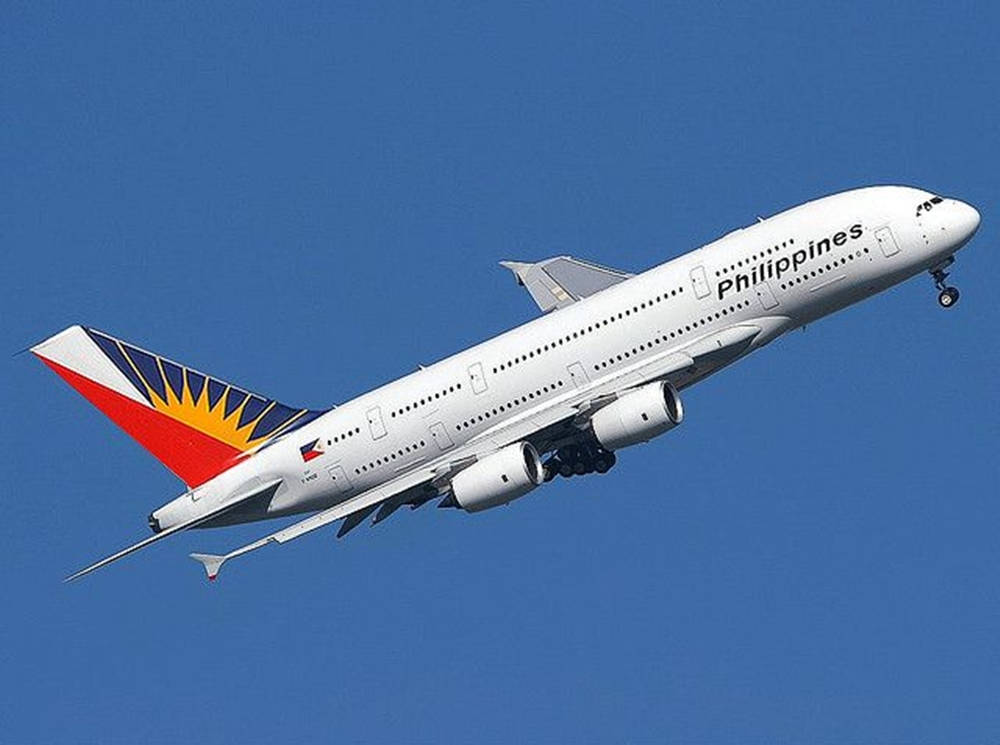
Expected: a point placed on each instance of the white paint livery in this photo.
(76, 351)
(450, 429)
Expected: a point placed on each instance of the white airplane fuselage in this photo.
(777, 274)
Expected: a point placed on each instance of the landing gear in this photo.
(604, 462)
(947, 296)
(578, 460)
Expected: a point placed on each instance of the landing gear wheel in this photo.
(580, 460)
(948, 297)
(605, 461)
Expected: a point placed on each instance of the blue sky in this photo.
(311, 201)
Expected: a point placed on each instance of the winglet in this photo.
(518, 268)
(211, 562)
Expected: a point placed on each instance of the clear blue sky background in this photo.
(312, 201)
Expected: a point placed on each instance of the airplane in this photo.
(600, 370)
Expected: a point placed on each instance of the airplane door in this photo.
(341, 484)
(765, 295)
(440, 435)
(578, 375)
(375, 423)
(477, 378)
(887, 241)
(700, 282)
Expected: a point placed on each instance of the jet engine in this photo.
(498, 478)
(638, 416)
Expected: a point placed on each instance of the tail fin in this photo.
(196, 425)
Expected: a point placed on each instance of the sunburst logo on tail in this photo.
(222, 411)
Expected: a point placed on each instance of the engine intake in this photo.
(498, 478)
(638, 416)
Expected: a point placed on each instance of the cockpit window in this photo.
(928, 205)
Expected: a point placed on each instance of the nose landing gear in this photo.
(947, 296)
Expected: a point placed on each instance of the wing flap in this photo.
(354, 520)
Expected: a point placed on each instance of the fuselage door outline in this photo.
(440, 434)
(577, 374)
(887, 241)
(341, 483)
(766, 295)
(477, 377)
(375, 423)
(700, 282)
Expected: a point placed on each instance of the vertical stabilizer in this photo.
(195, 424)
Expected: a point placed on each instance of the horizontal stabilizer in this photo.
(224, 507)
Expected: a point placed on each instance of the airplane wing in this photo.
(553, 422)
(541, 426)
(562, 280)
(363, 503)
(262, 491)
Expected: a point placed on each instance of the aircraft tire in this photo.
(948, 297)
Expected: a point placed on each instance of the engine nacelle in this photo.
(638, 416)
(498, 478)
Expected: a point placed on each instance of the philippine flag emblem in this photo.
(310, 451)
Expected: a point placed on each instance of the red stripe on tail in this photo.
(192, 455)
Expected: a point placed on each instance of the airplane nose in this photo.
(967, 220)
